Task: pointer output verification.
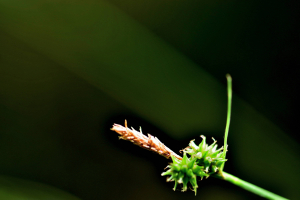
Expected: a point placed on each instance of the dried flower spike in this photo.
(138, 138)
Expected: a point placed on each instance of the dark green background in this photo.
(70, 69)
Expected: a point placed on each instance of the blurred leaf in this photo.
(18, 189)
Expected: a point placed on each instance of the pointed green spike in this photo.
(207, 169)
(190, 173)
(184, 159)
(203, 143)
(185, 182)
(169, 172)
(204, 154)
(189, 151)
(214, 154)
(197, 169)
(214, 148)
(191, 163)
(201, 173)
(175, 160)
(176, 183)
(193, 145)
(184, 168)
(198, 155)
(176, 167)
(214, 168)
(213, 144)
(180, 177)
(193, 182)
(220, 154)
(217, 153)
(219, 163)
(170, 179)
(220, 160)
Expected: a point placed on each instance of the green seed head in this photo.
(208, 156)
(198, 161)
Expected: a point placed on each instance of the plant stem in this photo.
(248, 186)
(229, 92)
(233, 179)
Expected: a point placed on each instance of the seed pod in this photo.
(208, 156)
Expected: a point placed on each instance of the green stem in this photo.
(249, 186)
(229, 91)
(228, 177)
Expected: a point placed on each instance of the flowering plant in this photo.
(201, 160)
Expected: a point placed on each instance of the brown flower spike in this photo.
(138, 138)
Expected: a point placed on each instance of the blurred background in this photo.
(69, 70)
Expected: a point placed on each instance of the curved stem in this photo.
(249, 186)
(229, 91)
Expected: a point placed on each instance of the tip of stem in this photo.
(228, 77)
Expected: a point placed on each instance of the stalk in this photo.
(249, 186)
(233, 179)
(229, 90)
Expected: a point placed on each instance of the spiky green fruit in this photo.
(207, 155)
(184, 171)
(203, 161)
